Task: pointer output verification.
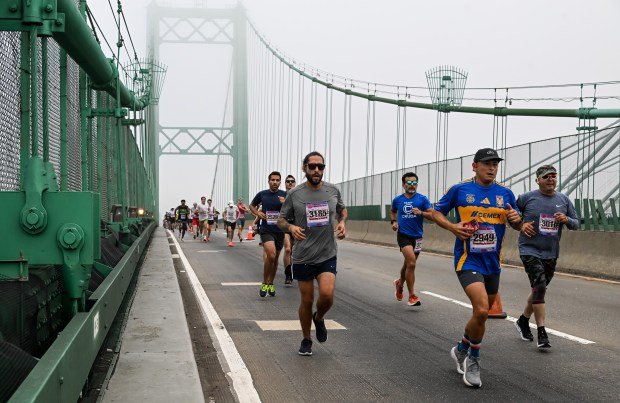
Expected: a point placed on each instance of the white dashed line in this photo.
(512, 319)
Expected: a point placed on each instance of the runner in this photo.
(407, 217)
(241, 220)
(230, 214)
(482, 207)
(202, 217)
(194, 213)
(271, 236)
(319, 215)
(182, 214)
(289, 183)
(545, 212)
(210, 220)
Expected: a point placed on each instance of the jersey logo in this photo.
(470, 198)
(484, 215)
(485, 201)
(499, 201)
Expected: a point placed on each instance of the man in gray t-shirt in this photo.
(545, 212)
(315, 215)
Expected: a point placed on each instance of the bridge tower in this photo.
(207, 26)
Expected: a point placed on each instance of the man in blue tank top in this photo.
(407, 217)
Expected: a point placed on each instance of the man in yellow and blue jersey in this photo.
(483, 207)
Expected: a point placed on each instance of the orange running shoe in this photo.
(414, 300)
(399, 290)
(230, 244)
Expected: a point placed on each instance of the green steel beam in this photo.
(61, 373)
(581, 113)
(241, 171)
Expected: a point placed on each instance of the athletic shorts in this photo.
(276, 237)
(538, 270)
(210, 222)
(491, 281)
(241, 222)
(308, 272)
(232, 225)
(194, 221)
(406, 240)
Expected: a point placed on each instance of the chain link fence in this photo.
(588, 168)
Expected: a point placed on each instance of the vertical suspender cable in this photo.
(349, 146)
(316, 97)
(397, 137)
(367, 150)
(329, 143)
(404, 137)
(312, 114)
(344, 138)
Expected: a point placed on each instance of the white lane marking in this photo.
(175, 256)
(234, 284)
(276, 325)
(229, 357)
(209, 251)
(512, 319)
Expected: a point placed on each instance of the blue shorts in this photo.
(308, 272)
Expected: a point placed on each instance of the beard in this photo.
(313, 179)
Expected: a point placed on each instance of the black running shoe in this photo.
(321, 330)
(306, 347)
(288, 275)
(543, 339)
(523, 327)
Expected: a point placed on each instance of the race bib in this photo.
(231, 216)
(317, 214)
(484, 240)
(418, 246)
(547, 225)
(272, 217)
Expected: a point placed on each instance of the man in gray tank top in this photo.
(545, 212)
(314, 214)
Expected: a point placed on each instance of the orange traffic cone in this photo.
(496, 310)
(250, 236)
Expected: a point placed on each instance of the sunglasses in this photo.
(315, 166)
(549, 176)
(290, 181)
(411, 182)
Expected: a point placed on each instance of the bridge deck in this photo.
(382, 350)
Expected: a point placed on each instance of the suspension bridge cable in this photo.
(344, 138)
(404, 138)
(349, 142)
(397, 137)
(330, 144)
(217, 162)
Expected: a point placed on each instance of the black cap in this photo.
(487, 154)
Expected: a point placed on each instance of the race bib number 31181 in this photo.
(317, 214)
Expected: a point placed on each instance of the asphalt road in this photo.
(392, 352)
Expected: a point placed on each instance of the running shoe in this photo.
(414, 300)
(231, 244)
(263, 290)
(204, 239)
(458, 357)
(543, 339)
(523, 327)
(471, 377)
(399, 289)
(306, 347)
(321, 330)
(288, 275)
(271, 290)
(288, 280)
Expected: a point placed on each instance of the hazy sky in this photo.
(499, 43)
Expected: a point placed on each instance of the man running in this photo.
(407, 217)
(482, 207)
(271, 235)
(289, 183)
(318, 213)
(202, 217)
(182, 213)
(241, 219)
(194, 214)
(210, 220)
(545, 212)
(230, 214)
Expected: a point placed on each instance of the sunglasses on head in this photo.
(549, 176)
(290, 181)
(411, 182)
(315, 166)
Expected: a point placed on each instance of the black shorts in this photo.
(491, 281)
(539, 271)
(406, 240)
(308, 272)
(210, 222)
(276, 237)
(232, 225)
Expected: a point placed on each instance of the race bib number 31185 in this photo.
(317, 214)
